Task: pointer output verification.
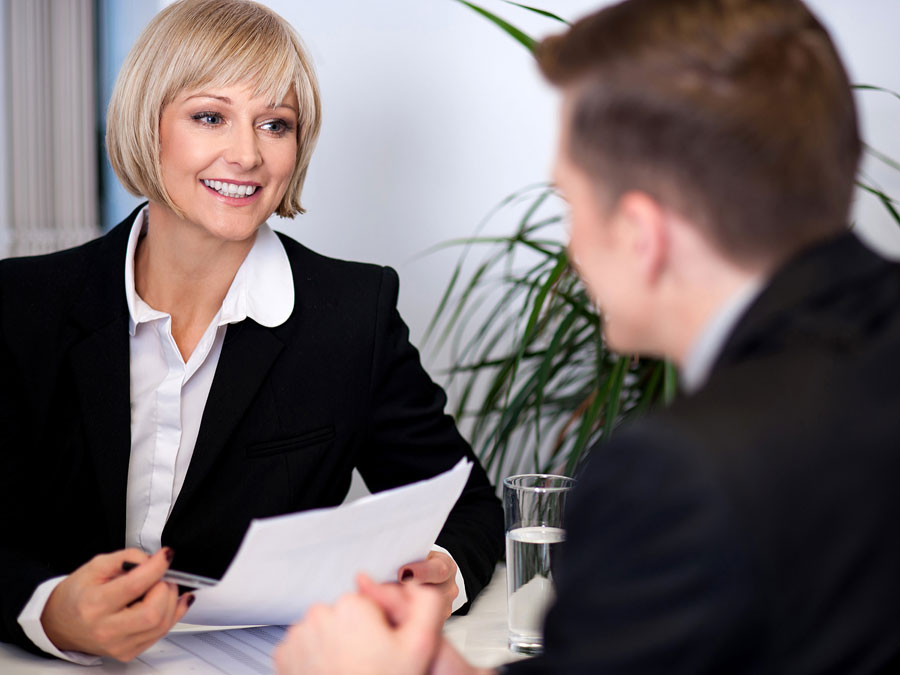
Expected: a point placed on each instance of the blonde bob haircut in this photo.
(193, 44)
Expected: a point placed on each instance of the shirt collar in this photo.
(708, 345)
(262, 289)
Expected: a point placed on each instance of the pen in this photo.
(194, 581)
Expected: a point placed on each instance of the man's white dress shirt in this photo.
(168, 396)
(709, 344)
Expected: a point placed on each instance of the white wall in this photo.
(866, 32)
(432, 115)
(5, 176)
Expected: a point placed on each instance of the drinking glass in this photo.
(533, 506)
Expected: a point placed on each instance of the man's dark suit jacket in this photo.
(292, 410)
(753, 527)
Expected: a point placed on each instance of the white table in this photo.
(480, 636)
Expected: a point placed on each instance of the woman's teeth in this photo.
(230, 189)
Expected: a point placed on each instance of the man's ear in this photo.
(644, 225)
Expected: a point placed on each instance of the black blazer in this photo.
(292, 410)
(752, 527)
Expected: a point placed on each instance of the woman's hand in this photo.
(100, 610)
(437, 571)
(358, 636)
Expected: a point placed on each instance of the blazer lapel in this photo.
(100, 365)
(247, 356)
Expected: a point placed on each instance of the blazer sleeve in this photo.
(654, 576)
(411, 438)
(21, 569)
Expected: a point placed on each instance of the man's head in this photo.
(735, 116)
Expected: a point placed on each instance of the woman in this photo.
(260, 373)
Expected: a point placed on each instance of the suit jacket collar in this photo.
(813, 279)
(100, 361)
(100, 366)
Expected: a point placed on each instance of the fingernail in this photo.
(169, 553)
(190, 599)
(406, 576)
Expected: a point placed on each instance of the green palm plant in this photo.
(527, 352)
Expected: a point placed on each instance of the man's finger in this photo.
(421, 631)
(391, 598)
(436, 569)
(290, 655)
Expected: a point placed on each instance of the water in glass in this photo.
(530, 555)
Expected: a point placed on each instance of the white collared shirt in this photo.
(168, 397)
(708, 345)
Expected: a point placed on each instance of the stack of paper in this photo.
(288, 563)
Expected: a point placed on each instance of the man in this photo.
(708, 151)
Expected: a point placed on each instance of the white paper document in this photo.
(246, 651)
(287, 563)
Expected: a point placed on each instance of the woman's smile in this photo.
(226, 157)
(239, 192)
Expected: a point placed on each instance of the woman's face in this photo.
(227, 157)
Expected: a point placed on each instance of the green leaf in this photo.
(546, 368)
(872, 87)
(445, 298)
(542, 12)
(651, 388)
(670, 383)
(532, 209)
(464, 299)
(893, 163)
(528, 42)
(888, 203)
(560, 267)
(614, 397)
(586, 429)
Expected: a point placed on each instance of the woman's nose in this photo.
(243, 147)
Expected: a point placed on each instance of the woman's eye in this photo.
(208, 118)
(277, 127)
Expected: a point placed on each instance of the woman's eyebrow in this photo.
(228, 101)
(224, 99)
(289, 107)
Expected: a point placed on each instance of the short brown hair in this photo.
(199, 43)
(738, 114)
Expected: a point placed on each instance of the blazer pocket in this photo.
(278, 446)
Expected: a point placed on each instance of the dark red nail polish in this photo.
(169, 554)
(190, 599)
(407, 575)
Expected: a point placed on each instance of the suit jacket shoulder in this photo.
(750, 527)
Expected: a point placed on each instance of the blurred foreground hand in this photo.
(386, 629)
